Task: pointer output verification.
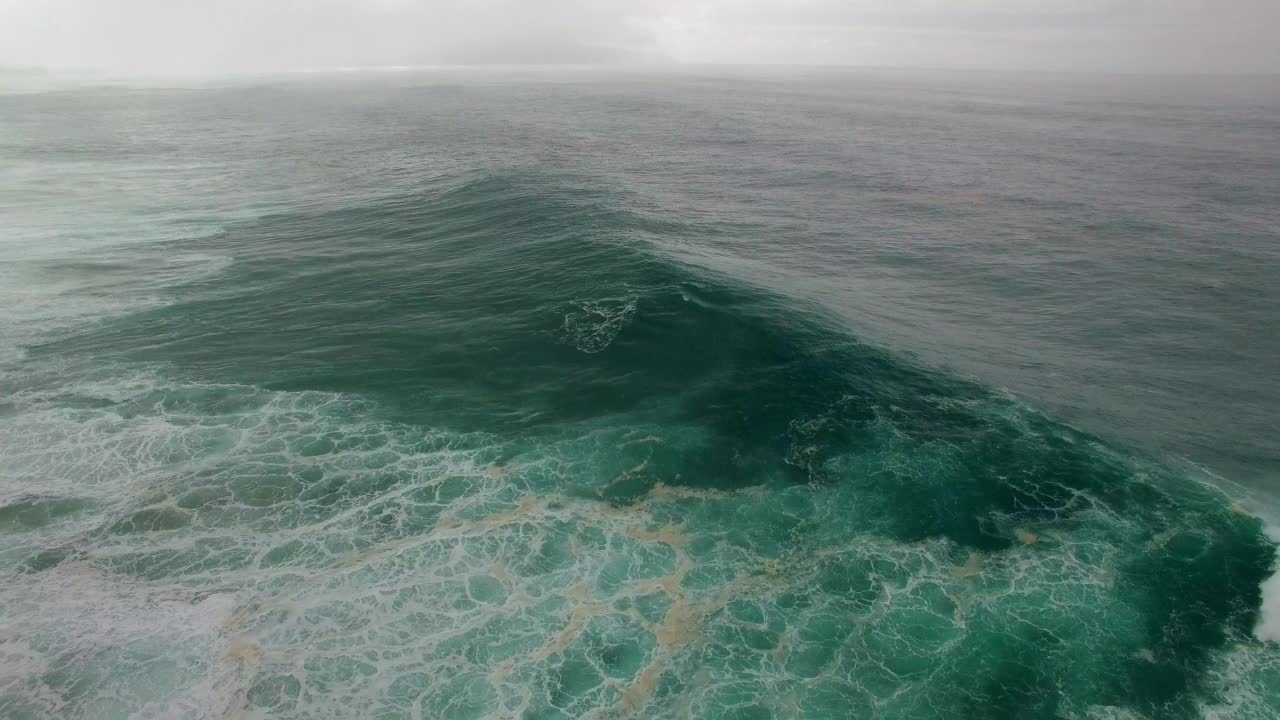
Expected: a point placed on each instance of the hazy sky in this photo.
(182, 36)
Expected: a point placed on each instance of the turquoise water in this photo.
(463, 395)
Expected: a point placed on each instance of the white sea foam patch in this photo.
(128, 531)
(1245, 683)
(83, 642)
(594, 324)
(105, 454)
(1268, 627)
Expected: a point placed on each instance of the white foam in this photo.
(595, 324)
(108, 626)
(1245, 677)
(1268, 627)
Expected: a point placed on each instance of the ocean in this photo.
(689, 393)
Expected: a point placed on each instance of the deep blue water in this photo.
(699, 394)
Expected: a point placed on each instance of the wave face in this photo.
(505, 441)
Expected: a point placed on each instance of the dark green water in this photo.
(463, 395)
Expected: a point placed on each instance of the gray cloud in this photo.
(184, 36)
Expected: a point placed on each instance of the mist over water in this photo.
(770, 394)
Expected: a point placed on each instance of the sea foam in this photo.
(1268, 627)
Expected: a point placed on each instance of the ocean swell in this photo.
(408, 481)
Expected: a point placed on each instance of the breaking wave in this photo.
(490, 465)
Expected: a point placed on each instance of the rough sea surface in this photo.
(697, 394)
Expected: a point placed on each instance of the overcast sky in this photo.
(200, 36)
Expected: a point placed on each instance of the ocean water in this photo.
(697, 394)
